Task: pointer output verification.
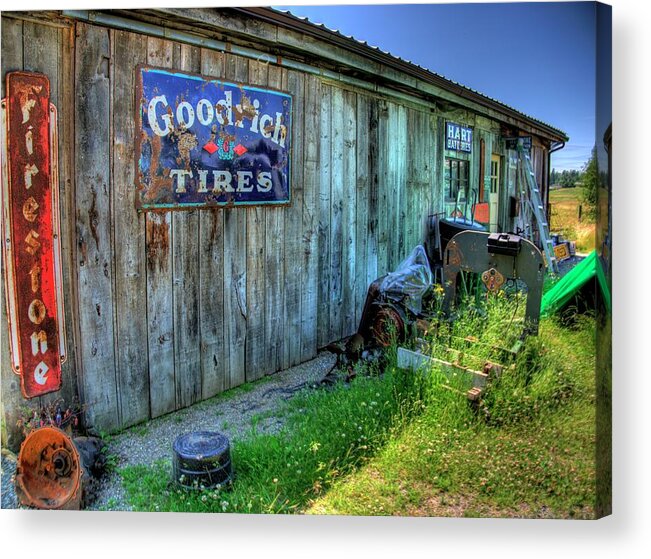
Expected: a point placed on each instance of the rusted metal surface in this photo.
(387, 323)
(49, 471)
(205, 142)
(493, 280)
(496, 258)
(31, 246)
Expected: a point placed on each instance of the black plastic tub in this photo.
(202, 460)
(449, 227)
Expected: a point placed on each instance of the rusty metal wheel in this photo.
(388, 324)
(49, 471)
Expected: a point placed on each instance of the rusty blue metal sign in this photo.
(457, 137)
(204, 142)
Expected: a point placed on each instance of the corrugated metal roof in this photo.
(364, 44)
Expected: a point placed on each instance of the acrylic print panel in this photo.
(388, 294)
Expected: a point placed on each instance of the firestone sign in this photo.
(457, 137)
(30, 224)
(205, 142)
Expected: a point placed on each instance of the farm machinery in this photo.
(422, 298)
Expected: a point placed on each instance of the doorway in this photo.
(494, 195)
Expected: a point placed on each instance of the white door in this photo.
(494, 195)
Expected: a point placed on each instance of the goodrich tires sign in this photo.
(205, 142)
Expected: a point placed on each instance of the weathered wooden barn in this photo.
(166, 308)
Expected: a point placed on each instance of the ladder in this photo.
(535, 200)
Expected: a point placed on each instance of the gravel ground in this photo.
(9, 500)
(232, 413)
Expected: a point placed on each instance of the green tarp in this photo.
(572, 282)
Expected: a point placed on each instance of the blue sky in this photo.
(537, 57)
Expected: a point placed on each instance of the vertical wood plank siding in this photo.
(335, 297)
(164, 309)
(12, 400)
(185, 288)
(236, 70)
(383, 202)
(310, 234)
(274, 260)
(348, 213)
(94, 217)
(324, 213)
(160, 315)
(215, 357)
(128, 226)
(256, 238)
(373, 192)
(362, 189)
(293, 265)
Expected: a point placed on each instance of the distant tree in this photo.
(565, 179)
(590, 183)
(568, 179)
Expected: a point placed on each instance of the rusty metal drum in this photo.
(202, 459)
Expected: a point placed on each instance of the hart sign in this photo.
(30, 224)
(457, 137)
(204, 142)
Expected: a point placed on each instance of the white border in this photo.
(56, 233)
(625, 534)
(7, 246)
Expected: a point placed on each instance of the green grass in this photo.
(532, 454)
(565, 194)
(403, 443)
(142, 429)
(565, 218)
(329, 433)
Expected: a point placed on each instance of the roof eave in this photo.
(323, 33)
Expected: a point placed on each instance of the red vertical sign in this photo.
(31, 236)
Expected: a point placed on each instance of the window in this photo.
(457, 179)
(494, 176)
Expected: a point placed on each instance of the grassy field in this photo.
(565, 218)
(533, 457)
(397, 443)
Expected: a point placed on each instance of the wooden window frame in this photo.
(453, 185)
